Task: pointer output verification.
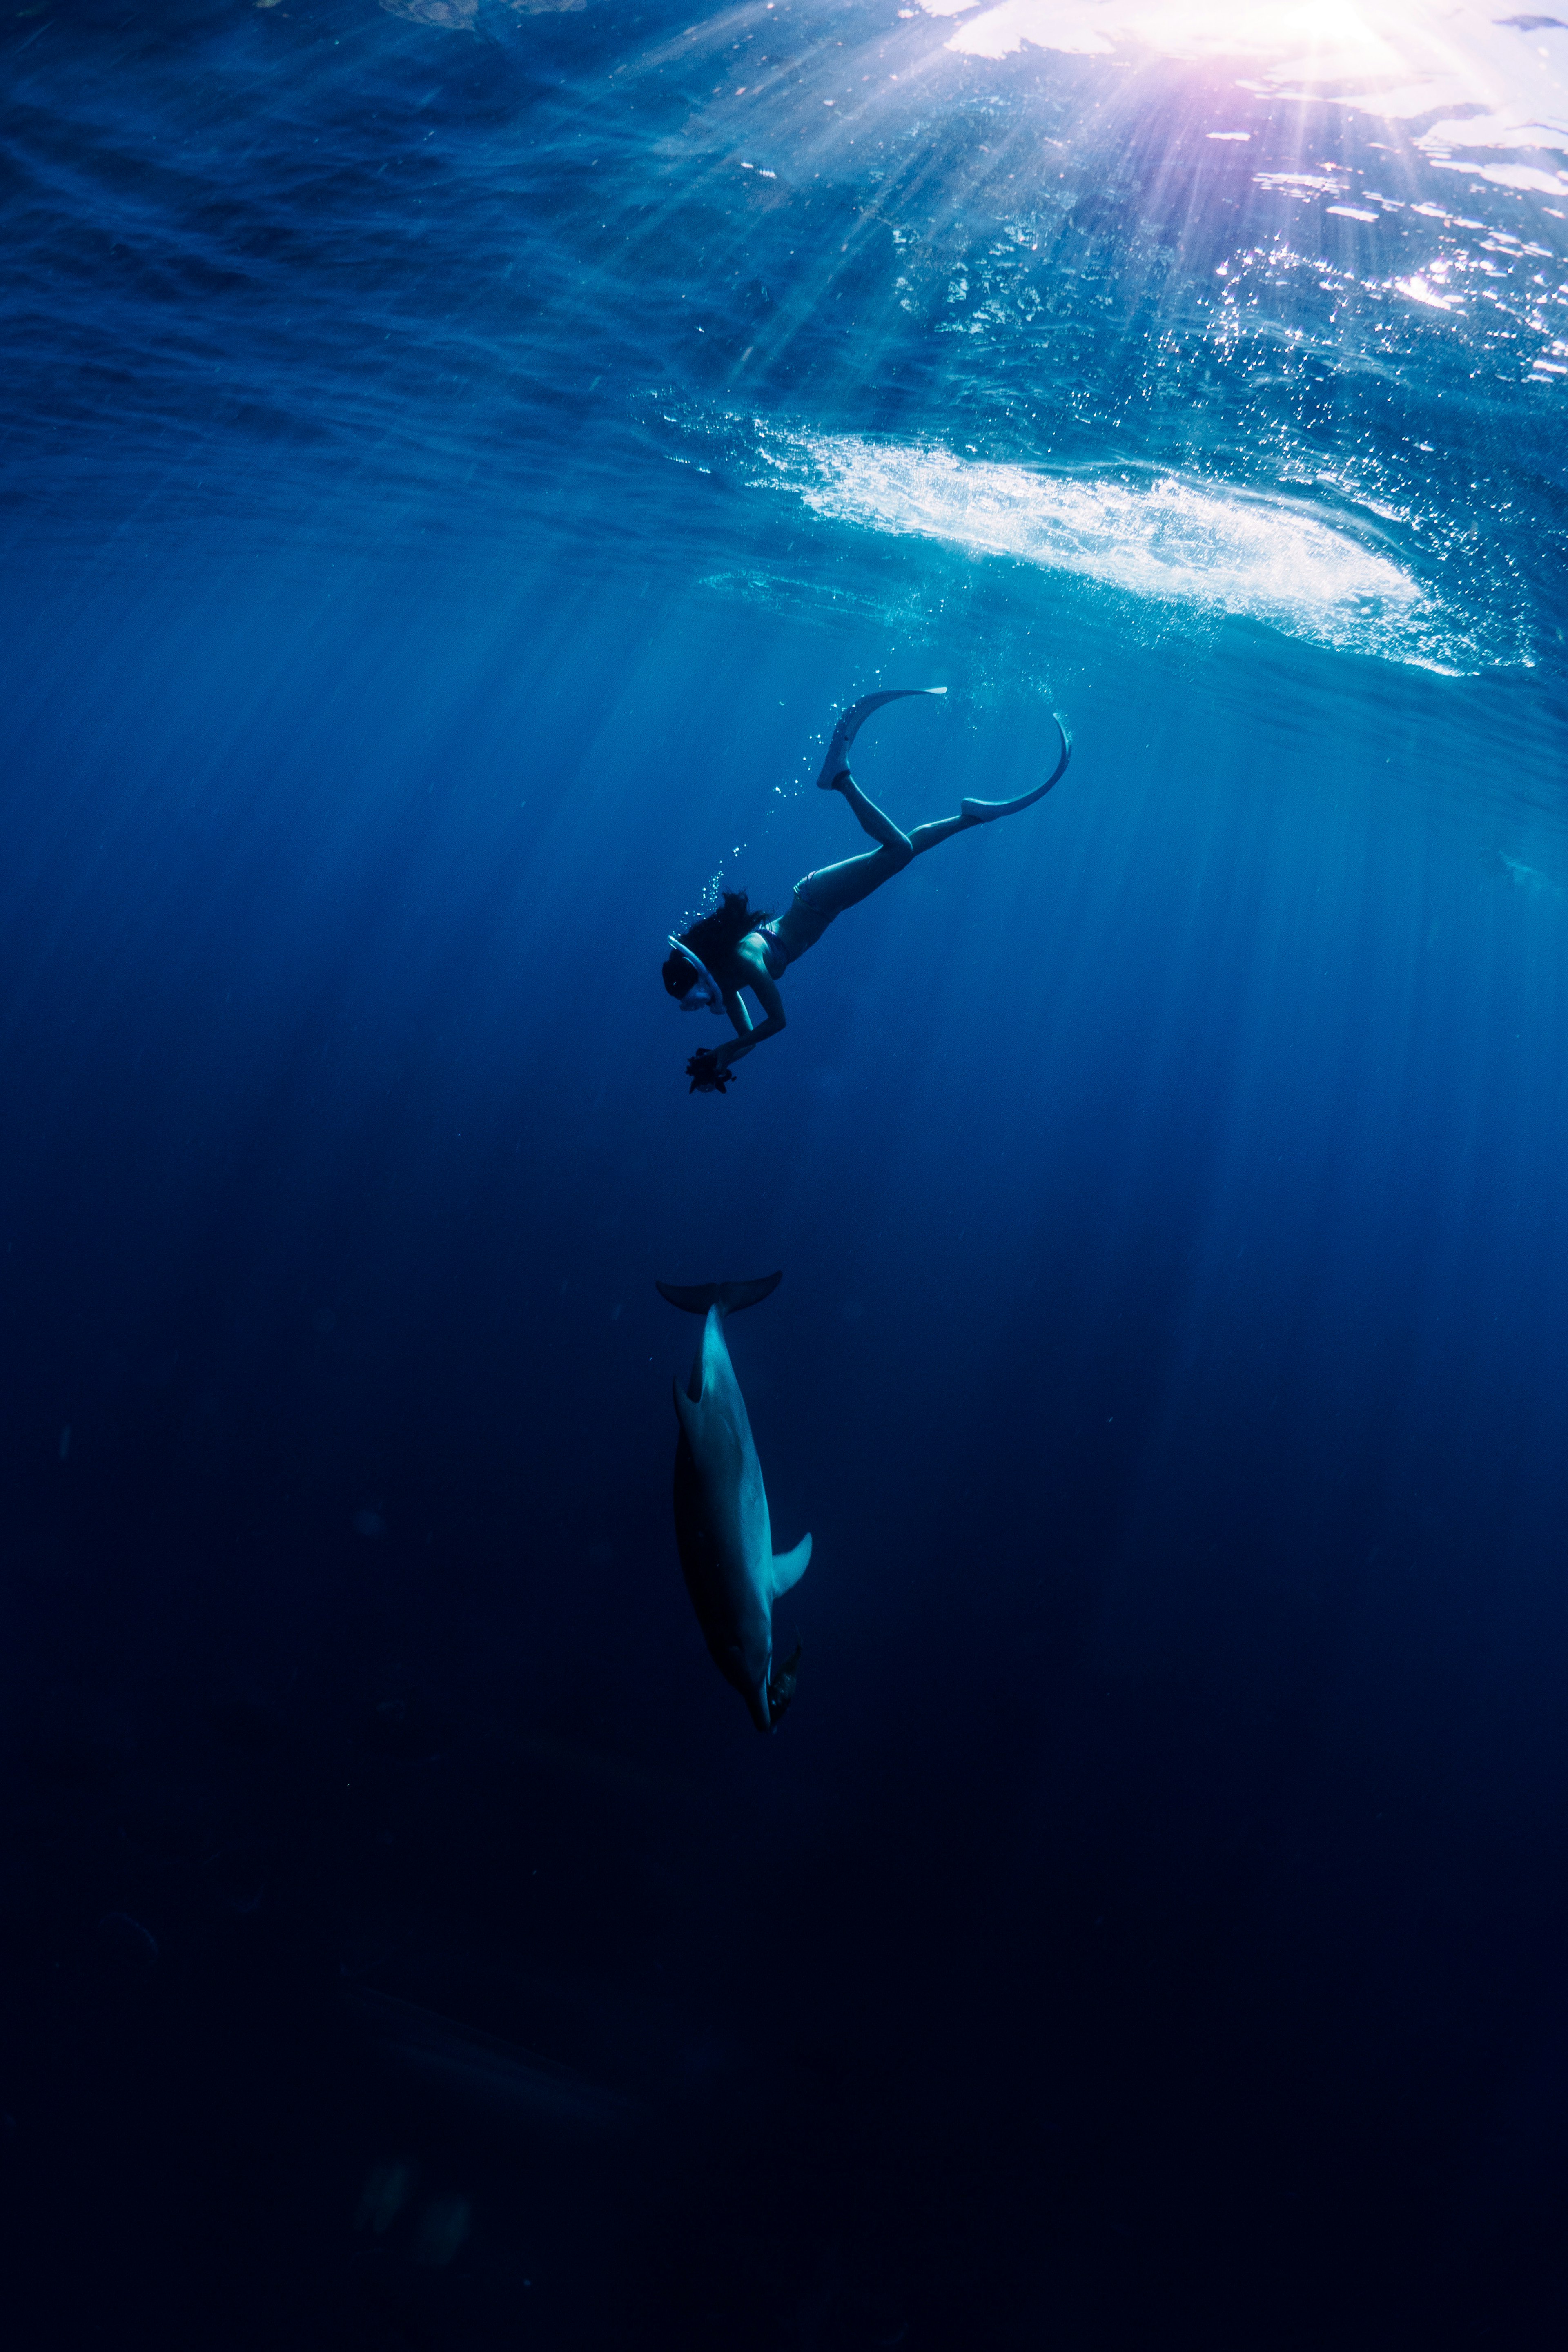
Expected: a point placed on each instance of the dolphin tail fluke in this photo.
(697, 1297)
(789, 1567)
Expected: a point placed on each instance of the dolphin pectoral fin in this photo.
(696, 1298)
(683, 1405)
(789, 1567)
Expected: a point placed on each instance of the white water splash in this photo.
(1166, 538)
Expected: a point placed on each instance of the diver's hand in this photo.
(708, 1074)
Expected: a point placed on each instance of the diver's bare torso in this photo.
(752, 955)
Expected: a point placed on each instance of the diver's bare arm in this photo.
(748, 1034)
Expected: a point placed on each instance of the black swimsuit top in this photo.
(774, 954)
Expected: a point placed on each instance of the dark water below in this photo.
(457, 459)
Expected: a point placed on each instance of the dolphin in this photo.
(721, 1525)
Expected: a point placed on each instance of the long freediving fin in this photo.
(853, 718)
(987, 810)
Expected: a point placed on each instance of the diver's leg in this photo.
(870, 818)
(941, 828)
(833, 887)
(824, 894)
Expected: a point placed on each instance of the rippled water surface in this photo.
(294, 262)
(459, 456)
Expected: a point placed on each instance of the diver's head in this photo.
(679, 973)
(689, 980)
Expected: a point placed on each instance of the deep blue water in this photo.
(457, 462)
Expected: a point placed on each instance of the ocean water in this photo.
(458, 459)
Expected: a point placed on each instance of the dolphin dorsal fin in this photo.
(789, 1567)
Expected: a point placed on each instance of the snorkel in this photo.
(706, 990)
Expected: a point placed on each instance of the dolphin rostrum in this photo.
(721, 1526)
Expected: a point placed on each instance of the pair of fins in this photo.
(855, 717)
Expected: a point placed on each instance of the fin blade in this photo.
(697, 1297)
(789, 1567)
(855, 717)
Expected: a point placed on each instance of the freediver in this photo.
(737, 947)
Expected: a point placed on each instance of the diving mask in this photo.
(707, 990)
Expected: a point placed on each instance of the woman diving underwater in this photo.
(735, 946)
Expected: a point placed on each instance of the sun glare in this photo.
(1357, 36)
(1400, 58)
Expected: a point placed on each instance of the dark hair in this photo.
(715, 938)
